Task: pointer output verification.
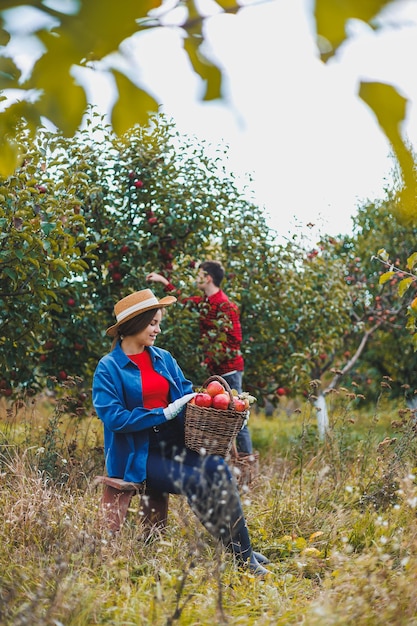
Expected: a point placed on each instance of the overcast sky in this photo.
(296, 125)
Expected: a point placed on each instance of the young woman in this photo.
(140, 393)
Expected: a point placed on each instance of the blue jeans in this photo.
(243, 439)
(209, 488)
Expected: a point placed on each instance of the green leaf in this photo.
(9, 74)
(47, 228)
(10, 272)
(132, 107)
(384, 278)
(403, 285)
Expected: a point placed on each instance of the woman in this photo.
(140, 393)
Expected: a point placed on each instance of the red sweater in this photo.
(214, 309)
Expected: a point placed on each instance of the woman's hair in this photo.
(135, 325)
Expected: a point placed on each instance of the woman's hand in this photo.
(175, 407)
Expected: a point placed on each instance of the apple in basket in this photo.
(214, 388)
(239, 404)
(203, 399)
(221, 401)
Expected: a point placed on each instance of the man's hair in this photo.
(214, 269)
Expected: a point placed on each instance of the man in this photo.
(221, 315)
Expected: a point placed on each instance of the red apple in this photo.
(117, 277)
(138, 184)
(281, 391)
(71, 302)
(124, 249)
(214, 388)
(153, 220)
(202, 399)
(239, 404)
(63, 375)
(221, 401)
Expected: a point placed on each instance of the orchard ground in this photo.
(335, 516)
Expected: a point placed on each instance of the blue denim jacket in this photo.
(118, 401)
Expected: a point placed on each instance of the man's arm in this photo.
(154, 277)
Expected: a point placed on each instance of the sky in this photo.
(312, 148)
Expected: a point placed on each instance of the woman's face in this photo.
(147, 336)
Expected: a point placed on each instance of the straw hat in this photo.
(134, 304)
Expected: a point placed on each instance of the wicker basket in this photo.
(213, 430)
(244, 466)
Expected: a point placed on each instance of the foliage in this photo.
(335, 517)
(378, 308)
(388, 105)
(85, 219)
(82, 37)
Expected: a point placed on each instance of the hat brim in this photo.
(112, 331)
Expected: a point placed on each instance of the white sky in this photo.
(296, 125)
(313, 149)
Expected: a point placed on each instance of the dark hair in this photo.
(135, 325)
(214, 269)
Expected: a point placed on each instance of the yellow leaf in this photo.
(315, 535)
(389, 108)
(62, 101)
(331, 18)
(311, 552)
(230, 6)
(9, 157)
(383, 254)
(132, 107)
(210, 74)
(300, 543)
(412, 260)
(403, 285)
(384, 278)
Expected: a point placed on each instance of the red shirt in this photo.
(155, 388)
(214, 309)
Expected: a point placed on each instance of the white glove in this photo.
(246, 420)
(175, 407)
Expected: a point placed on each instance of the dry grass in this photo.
(336, 517)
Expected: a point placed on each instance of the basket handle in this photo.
(225, 385)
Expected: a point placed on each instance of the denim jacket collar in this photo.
(123, 360)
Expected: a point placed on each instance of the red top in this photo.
(155, 388)
(214, 308)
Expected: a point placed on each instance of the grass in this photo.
(336, 517)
